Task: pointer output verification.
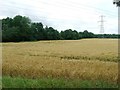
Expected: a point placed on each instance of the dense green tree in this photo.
(107, 35)
(17, 27)
(87, 34)
(23, 24)
(52, 34)
(7, 23)
(70, 35)
(67, 34)
(10, 35)
(38, 31)
(80, 35)
(75, 35)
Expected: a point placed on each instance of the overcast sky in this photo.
(78, 15)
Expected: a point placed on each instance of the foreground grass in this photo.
(18, 82)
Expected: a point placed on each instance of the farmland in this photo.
(86, 59)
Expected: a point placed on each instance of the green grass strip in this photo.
(18, 82)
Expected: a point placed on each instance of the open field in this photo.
(87, 59)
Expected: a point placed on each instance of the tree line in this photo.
(20, 28)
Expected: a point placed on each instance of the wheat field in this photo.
(86, 59)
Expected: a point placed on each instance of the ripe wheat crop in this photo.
(87, 59)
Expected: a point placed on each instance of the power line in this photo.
(79, 5)
(87, 5)
(74, 5)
